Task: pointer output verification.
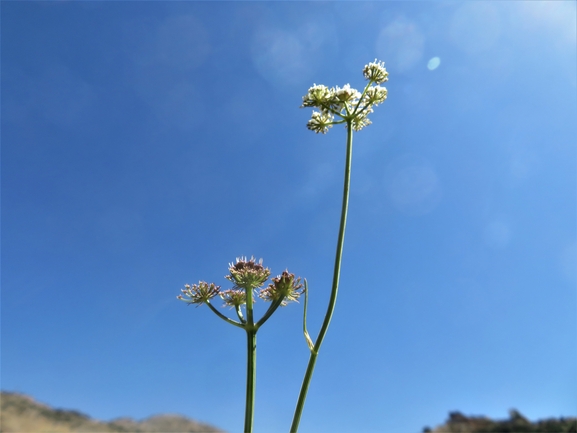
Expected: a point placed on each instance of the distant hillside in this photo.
(517, 423)
(20, 413)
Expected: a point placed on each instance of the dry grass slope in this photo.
(21, 414)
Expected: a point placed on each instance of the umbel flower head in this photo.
(285, 286)
(376, 72)
(234, 297)
(199, 293)
(349, 104)
(321, 121)
(375, 95)
(317, 96)
(247, 274)
(347, 93)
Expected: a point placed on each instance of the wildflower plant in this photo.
(248, 278)
(335, 105)
(350, 107)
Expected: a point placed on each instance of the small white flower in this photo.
(361, 120)
(317, 96)
(375, 95)
(320, 122)
(376, 72)
(347, 94)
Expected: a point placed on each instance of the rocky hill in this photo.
(517, 423)
(20, 413)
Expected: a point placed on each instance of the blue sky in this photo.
(146, 145)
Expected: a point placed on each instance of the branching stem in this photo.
(223, 317)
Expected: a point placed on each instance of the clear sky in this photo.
(145, 145)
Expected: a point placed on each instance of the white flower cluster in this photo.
(349, 104)
(320, 121)
(376, 72)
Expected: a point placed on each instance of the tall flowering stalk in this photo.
(335, 106)
(350, 107)
(247, 276)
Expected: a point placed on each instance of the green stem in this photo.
(273, 307)
(361, 99)
(335, 287)
(250, 380)
(250, 362)
(239, 314)
(222, 316)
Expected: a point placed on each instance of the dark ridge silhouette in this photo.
(517, 423)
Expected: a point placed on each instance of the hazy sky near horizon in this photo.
(145, 145)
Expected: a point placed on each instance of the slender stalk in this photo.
(250, 380)
(335, 287)
(222, 316)
(250, 362)
(273, 307)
